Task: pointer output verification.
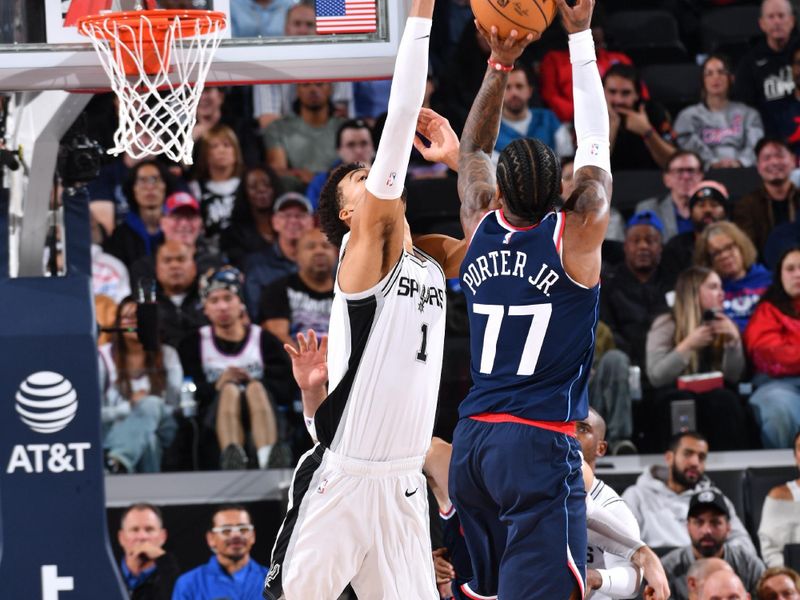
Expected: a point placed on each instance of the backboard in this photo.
(40, 50)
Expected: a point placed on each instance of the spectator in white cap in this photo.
(292, 217)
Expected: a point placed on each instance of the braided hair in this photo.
(330, 204)
(529, 178)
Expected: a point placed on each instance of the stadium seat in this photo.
(791, 556)
(647, 36)
(726, 26)
(673, 85)
(433, 206)
(758, 483)
(634, 186)
(739, 182)
(618, 482)
(732, 484)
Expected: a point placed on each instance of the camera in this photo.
(79, 160)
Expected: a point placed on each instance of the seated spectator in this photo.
(780, 517)
(708, 203)
(109, 274)
(291, 219)
(641, 131)
(763, 75)
(251, 220)
(258, 18)
(779, 583)
(660, 498)
(217, 106)
(726, 249)
(777, 201)
(146, 188)
(149, 572)
(556, 71)
(231, 572)
(303, 300)
(217, 180)
(631, 297)
(699, 572)
(140, 390)
(708, 524)
(182, 223)
(722, 132)
(697, 337)
(724, 585)
(180, 311)
(781, 120)
(518, 120)
(773, 342)
(304, 143)
(353, 144)
(779, 241)
(682, 174)
(233, 363)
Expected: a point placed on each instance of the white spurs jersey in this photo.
(384, 362)
(605, 496)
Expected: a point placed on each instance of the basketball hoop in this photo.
(157, 100)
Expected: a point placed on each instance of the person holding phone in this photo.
(697, 337)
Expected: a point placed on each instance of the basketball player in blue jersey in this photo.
(531, 281)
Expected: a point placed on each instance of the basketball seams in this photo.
(520, 25)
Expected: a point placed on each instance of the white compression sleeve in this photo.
(608, 532)
(388, 173)
(591, 113)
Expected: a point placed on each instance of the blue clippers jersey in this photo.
(532, 327)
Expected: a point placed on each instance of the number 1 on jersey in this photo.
(422, 355)
(540, 314)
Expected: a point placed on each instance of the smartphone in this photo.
(684, 415)
(709, 315)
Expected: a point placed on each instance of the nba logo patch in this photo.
(391, 179)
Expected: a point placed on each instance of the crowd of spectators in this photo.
(700, 301)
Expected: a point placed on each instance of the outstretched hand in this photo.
(578, 17)
(443, 140)
(309, 360)
(505, 51)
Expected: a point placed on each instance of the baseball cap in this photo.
(292, 198)
(646, 217)
(181, 200)
(225, 278)
(709, 498)
(709, 189)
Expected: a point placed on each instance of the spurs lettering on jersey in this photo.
(427, 294)
(505, 263)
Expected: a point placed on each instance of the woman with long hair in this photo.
(251, 220)
(724, 133)
(724, 247)
(697, 337)
(140, 390)
(146, 188)
(217, 178)
(772, 340)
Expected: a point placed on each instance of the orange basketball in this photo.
(526, 16)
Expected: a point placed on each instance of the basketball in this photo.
(526, 16)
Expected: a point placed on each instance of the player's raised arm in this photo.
(476, 174)
(376, 224)
(588, 206)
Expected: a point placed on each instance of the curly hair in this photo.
(529, 178)
(330, 203)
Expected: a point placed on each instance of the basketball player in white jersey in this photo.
(357, 505)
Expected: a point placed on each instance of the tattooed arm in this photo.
(476, 178)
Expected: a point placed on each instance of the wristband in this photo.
(648, 133)
(497, 66)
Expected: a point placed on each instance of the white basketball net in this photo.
(157, 111)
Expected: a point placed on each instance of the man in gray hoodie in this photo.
(660, 498)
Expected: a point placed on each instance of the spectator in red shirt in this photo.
(772, 340)
(556, 71)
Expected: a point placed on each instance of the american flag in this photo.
(346, 16)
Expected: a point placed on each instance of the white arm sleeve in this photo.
(608, 532)
(388, 173)
(591, 113)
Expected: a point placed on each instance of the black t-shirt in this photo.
(780, 211)
(290, 298)
(629, 150)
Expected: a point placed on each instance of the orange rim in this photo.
(160, 19)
